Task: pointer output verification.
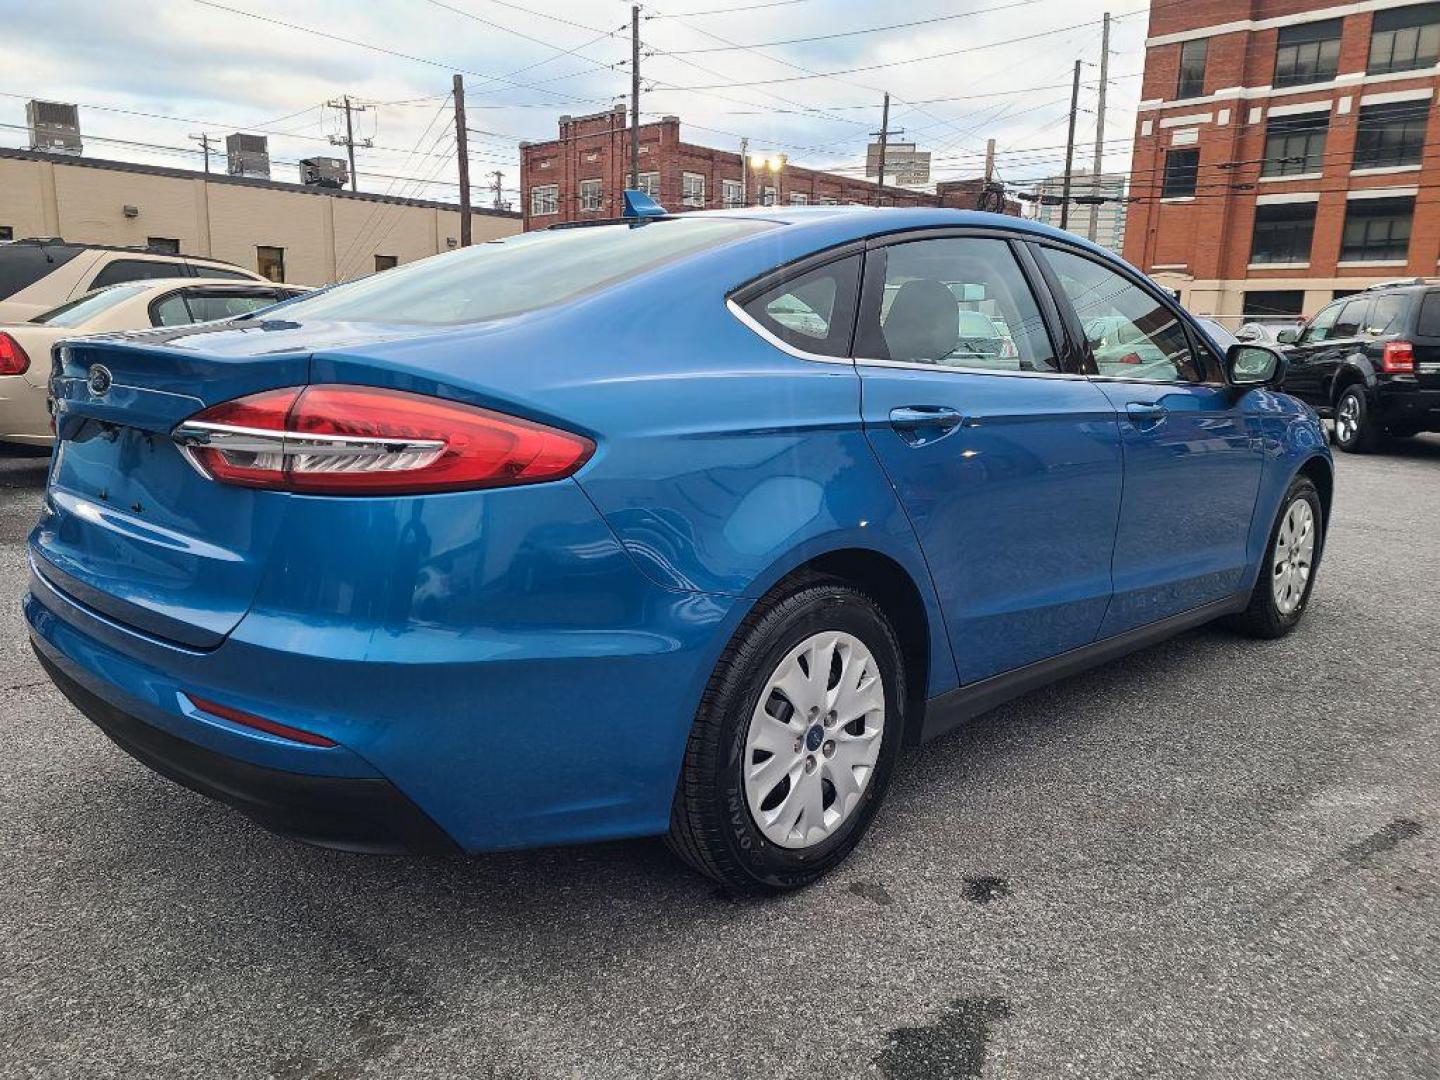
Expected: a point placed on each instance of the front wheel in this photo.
(794, 741)
(1356, 431)
(1288, 574)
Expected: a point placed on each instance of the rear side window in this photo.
(205, 270)
(136, 270)
(521, 273)
(1429, 316)
(1387, 315)
(21, 265)
(81, 310)
(814, 311)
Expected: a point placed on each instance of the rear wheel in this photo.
(794, 741)
(1287, 576)
(1356, 431)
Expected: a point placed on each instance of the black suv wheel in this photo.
(1356, 431)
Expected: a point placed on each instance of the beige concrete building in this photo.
(288, 232)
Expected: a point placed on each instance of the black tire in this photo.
(1263, 617)
(1367, 435)
(711, 826)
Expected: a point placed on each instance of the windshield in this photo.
(519, 273)
(79, 312)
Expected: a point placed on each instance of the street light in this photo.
(771, 164)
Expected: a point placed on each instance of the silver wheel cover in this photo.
(1347, 418)
(1294, 556)
(814, 739)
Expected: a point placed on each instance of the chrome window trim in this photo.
(749, 321)
(911, 365)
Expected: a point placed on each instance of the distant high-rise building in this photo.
(1109, 216)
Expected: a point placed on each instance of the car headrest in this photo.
(923, 323)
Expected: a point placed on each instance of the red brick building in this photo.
(1286, 150)
(583, 172)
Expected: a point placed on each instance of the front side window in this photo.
(1182, 171)
(1192, 69)
(526, 272)
(1283, 233)
(544, 199)
(118, 270)
(1320, 327)
(692, 189)
(270, 261)
(591, 192)
(1295, 144)
(1377, 230)
(814, 311)
(957, 303)
(1132, 335)
(1404, 39)
(1391, 134)
(732, 193)
(1308, 53)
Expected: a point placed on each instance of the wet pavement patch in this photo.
(868, 890)
(982, 890)
(952, 1048)
(1381, 840)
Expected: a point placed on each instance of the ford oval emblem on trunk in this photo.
(100, 379)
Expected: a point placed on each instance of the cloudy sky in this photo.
(800, 76)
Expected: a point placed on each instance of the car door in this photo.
(1192, 450)
(1008, 463)
(1313, 356)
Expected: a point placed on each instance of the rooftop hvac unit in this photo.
(53, 126)
(247, 155)
(326, 172)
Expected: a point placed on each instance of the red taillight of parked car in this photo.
(362, 440)
(14, 360)
(1398, 358)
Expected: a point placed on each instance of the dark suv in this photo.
(1372, 362)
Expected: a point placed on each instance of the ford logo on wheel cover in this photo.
(100, 379)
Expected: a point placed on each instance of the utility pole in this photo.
(989, 160)
(1099, 160)
(1070, 149)
(499, 191)
(348, 139)
(204, 140)
(744, 172)
(884, 136)
(462, 153)
(634, 95)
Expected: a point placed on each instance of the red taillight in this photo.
(259, 723)
(13, 359)
(1398, 358)
(361, 440)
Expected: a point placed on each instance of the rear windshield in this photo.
(21, 265)
(79, 312)
(519, 273)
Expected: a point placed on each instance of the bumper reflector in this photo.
(259, 723)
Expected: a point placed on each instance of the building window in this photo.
(1182, 168)
(767, 196)
(1308, 53)
(1391, 134)
(1273, 303)
(649, 183)
(270, 261)
(1377, 230)
(591, 194)
(163, 244)
(1192, 69)
(386, 262)
(7, 232)
(1402, 39)
(544, 199)
(732, 193)
(692, 189)
(1295, 144)
(1283, 232)
(799, 198)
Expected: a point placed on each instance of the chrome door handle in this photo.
(921, 424)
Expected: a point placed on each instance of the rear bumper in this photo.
(349, 813)
(1409, 406)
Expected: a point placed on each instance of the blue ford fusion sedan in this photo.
(676, 525)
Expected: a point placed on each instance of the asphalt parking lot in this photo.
(1217, 857)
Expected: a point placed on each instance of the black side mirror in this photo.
(1288, 336)
(1250, 365)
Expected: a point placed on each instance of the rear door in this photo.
(1192, 450)
(1008, 462)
